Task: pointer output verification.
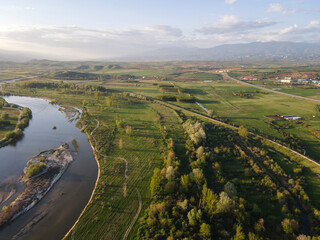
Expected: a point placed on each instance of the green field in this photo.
(272, 182)
(12, 117)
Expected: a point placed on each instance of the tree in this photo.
(209, 200)
(289, 226)
(170, 173)
(194, 216)
(225, 203)
(120, 143)
(253, 236)
(230, 189)
(155, 185)
(185, 183)
(239, 234)
(200, 152)
(108, 101)
(120, 124)
(205, 231)
(169, 188)
(243, 132)
(198, 177)
(303, 237)
(96, 95)
(128, 130)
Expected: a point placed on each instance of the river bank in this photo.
(25, 114)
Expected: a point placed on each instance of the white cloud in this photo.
(233, 24)
(288, 29)
(72, 42)
(208, 37)
(229, 1)
(314, 23)
(278, 8)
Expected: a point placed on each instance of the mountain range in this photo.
(226, 52)
(236, 52)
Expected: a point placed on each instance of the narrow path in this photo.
(94, 148)
(139, 200)
(126, 169)
(135, 217)
(270, 90)
(126, 177)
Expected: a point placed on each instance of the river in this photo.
(70, 194)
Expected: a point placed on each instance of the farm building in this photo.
(304, 80)
(290, 117)
(287, 81)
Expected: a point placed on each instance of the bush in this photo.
(35, 169)
(186, 99)
(167, 98)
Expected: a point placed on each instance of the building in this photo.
(306, 80)
(286, 81)
(291, 117)
(250, 78)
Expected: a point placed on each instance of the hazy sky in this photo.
(77, 29)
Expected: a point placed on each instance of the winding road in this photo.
(270, 90)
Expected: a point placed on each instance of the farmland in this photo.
(167, 172)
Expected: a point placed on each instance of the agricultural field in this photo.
(166, 171)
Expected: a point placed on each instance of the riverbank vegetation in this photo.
(13, 120)
(197, 180)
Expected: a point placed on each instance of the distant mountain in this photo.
(226, 52)
(245, 51)
(11, 56)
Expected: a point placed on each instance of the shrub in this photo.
(167, 98)
(35, 169)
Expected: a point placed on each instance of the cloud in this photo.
(229, 1)
(313, 27)
(278, 8)
(72, 42)
(208, 37)
(233, 24)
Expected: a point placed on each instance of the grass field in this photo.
(116, 202)
(252, 112)
(13, 115)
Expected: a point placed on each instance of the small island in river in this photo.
(39, 175)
